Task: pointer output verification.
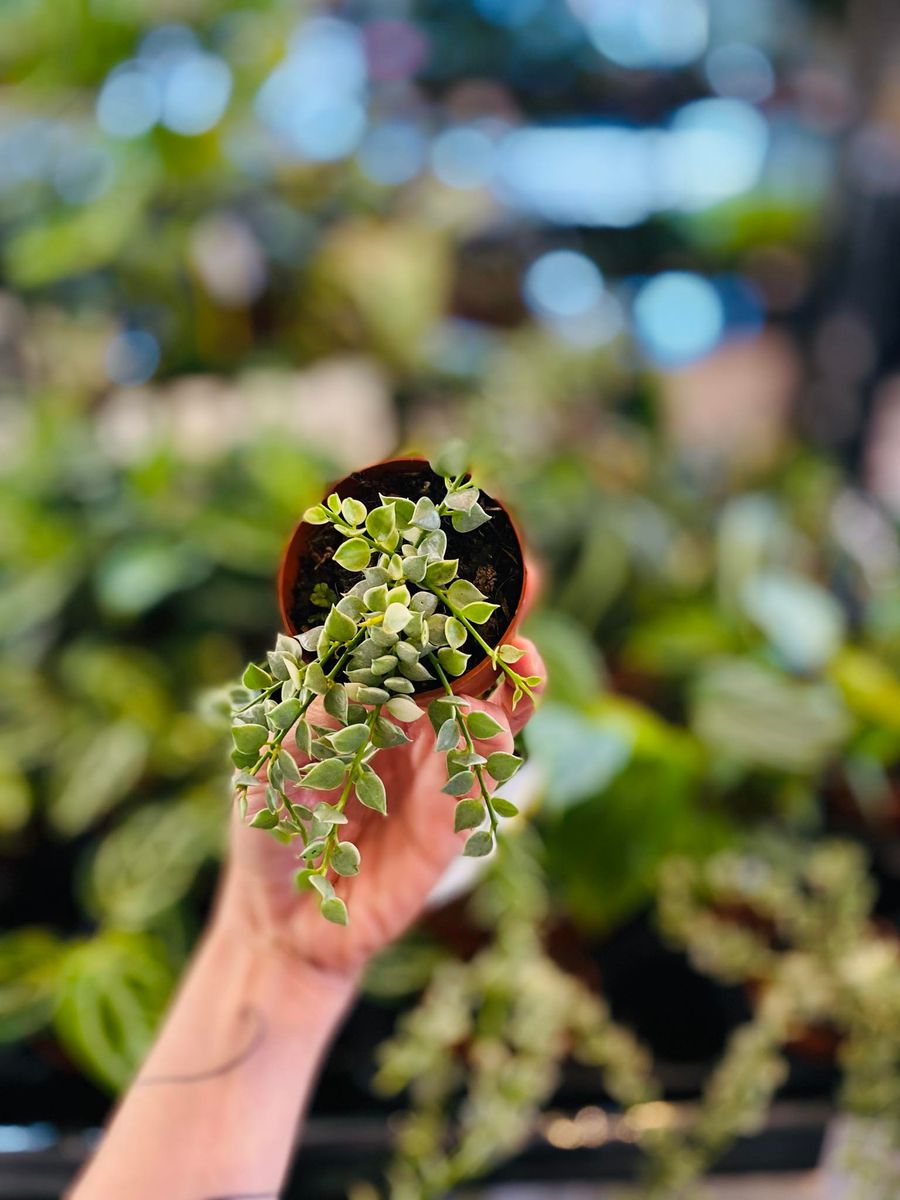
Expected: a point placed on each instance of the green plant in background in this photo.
(128, 586)
(404, 623)
(482, 1052)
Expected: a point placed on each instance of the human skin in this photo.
(214, 1111)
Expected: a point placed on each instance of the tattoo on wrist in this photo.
(257, 1035)
(245, 1196)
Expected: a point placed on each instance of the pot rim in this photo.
(478, 679)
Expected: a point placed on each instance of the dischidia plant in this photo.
(412, 588)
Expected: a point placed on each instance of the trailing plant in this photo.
(401, 627)
(482, 1052)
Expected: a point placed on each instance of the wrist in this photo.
(270, 954)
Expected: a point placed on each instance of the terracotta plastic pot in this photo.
(383, 477)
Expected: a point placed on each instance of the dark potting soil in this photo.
(490, 556)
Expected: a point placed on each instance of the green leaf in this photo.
(283, 715)
(509, 653)
(289, 768)
(448, 736)
(303, 736)
(375, 598)
(404, 709)
(277, 665)
(463, 500)
(351, 606)
(339, 627)
(460, 783)
(399, 684)
(439, 712)
(454, 662)
(322, 885)
(317, 515)
(370, 790)
(465, 522)
(382, 522)
(440, 573)
(462, 592)
(255, 677)
(424, 603)
(349, 740)
(403, 506)
(468, 814)
(479, 844)
(335, 910)
(249, 738)
(325, 776)
(303, 880)
(345, 859)
(502, 766)
(354, 511)
(414, 567)
(416, 671)
(479, 612)
(264, 819)
(329, 815)
(316, 680)
(433, 546)
(481, 725)
(309, 639)
(241, 758)
(386, 734)
(425, 515)
(504, 807)
(437, 629)
(396, 618)
(455, 633)
(353, 555)
(384, 663)
(371, 695)
(334, 503)
(335, 702)
(364, 675)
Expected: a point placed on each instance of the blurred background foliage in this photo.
(247, 246)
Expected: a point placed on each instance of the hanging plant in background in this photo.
(401, 590)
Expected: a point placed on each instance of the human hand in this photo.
(403, 854)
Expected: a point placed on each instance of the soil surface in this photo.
(490, 556)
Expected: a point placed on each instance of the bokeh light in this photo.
(562, 283)
(647, 33)
(313, 101)
(130, 101)
(678, 317)
(131, 357)
(463, 157)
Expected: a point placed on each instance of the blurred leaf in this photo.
(803, 622)
(605, 853)
(676, 639)
(574, 664)
(113, 990)
(870, 689)
(577, 756)
(750, 713)
(29, 967)
(134, 576)
(95, 776)
(15, 798)
(148, 863)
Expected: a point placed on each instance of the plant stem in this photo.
(470, 745)
(332, 839)
(498, 662)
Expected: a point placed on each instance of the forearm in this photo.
(214, 1110)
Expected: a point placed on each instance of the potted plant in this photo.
(398, 592)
